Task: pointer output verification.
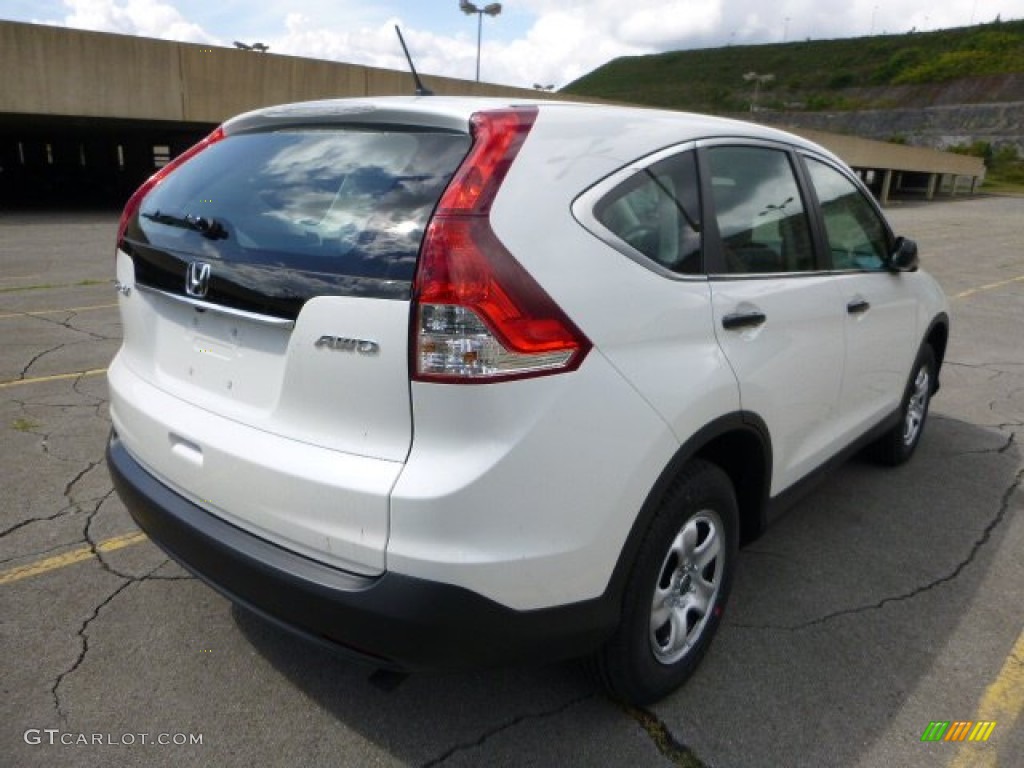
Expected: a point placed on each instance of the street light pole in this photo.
(468, 8)
(757, 80)
(479, 39)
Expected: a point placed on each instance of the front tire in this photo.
(898, 444)
(677, 589)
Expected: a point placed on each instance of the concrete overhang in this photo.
(880, 155)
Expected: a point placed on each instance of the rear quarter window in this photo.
(657, 212)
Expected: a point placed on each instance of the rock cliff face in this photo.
(991, 89)
(937, 116)
(938, 127)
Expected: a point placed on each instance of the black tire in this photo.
(898, 444)
(645, 660)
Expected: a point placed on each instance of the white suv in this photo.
(456, 382)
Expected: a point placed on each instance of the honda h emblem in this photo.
(197, 279)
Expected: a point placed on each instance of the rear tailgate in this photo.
(264, 368)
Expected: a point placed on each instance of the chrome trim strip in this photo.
(727, 276)
(277, 322)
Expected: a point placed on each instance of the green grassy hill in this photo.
(854, 73)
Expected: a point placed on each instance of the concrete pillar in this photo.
(956, 182)
(933, 179)
(883, 196)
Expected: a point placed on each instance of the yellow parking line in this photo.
(54, 377)
(1002, 704)
(989, 287)
(56, 311)
(70, 558)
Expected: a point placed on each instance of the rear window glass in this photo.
(352, 202)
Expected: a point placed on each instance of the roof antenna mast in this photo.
(421, 90)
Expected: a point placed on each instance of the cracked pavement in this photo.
(884, 600)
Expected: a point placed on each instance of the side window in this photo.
(761, 217)
(857, 236)
(657, 212)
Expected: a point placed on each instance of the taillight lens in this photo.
(137, 197)
(480, 317)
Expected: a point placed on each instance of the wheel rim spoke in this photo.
(677, 632)
(702, 594)
(687, 540)
(708, 550)
(660, 611)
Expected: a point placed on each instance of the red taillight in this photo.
(497, 138)
(480, 317)
(136, 199)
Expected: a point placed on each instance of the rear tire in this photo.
(677, 589)
(898, 444)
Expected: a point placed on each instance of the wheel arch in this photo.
(744, 456)
(740, 445)
(937, 337)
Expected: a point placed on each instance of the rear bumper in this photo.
(390, 620)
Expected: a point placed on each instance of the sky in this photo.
(532, 42)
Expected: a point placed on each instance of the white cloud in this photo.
(375, 46)
(656, 27)
(559, 47)
(148, 18)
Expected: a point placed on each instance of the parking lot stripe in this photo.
(54, 377)
(989, 287)
(70, 558)
(35, 313)
(1002, 704)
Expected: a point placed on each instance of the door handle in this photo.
(743, 320)
(858, 306)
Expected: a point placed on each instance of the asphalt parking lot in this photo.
(886, 600)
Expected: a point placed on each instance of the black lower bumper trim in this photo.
(390, 620)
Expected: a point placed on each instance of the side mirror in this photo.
(904, 256)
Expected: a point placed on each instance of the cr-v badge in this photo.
(362, 346)
(197, 279)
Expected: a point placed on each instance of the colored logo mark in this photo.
(958, 730)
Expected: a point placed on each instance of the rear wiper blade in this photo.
(207, 226)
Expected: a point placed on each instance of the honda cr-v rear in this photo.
(457, 382)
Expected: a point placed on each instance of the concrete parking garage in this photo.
(87, 116)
